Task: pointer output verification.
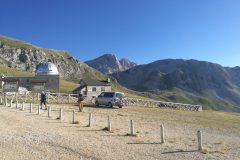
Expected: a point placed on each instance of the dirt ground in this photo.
(25, 135)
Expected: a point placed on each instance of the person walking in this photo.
(43, 100)
(80, 102)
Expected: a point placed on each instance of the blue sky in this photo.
(141, 30)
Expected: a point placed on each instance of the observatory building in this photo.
(46, 78)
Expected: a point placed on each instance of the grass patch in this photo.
(221, 121)
(219, 142)
(67, 86)
(172, 140)
(207, 150)
(13, 71)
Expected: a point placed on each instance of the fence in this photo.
(52, 98)
(63, 98)
(153, 103)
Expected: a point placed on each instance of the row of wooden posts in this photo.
(109, 128)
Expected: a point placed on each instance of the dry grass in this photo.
(211, 119)
(67, 86)
(13, 71)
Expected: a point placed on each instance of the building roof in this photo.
(92, 82)
(47, 69)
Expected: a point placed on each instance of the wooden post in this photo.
(109, 124)
(39, 109)
(30, 108)
(22, 106)
(162, 133)
(199, 135)
(57, 98)
(4, 99)
(47, 94)
(16, 97)
(132, 128)
(11, 103)
(37, 96)
(49, 111)
(16, 104)
(33, 98)
(61, 114)
(68, 98)
(25, 96)
(6, 103)
(90, 120)
(73, 118)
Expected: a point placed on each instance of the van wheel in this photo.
(97, 104)
(120, 106)
(110, 104)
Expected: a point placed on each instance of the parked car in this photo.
(110, 99)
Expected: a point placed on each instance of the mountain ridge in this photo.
(184, 81)
(200, 78)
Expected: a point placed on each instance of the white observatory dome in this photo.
(47, 68)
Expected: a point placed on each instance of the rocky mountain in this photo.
(24, 56)
(108, 63)
(197, 78)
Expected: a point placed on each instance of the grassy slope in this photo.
(19, 44)
(178, 95)
(212, 119)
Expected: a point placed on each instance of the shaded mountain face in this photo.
(195, 77)
(108, 63)
(26, 57)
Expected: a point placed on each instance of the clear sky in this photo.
(141, 30)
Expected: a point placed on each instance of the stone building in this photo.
(92, 88)
(46, 78)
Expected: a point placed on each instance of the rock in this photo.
(1, 44)
(23, 57)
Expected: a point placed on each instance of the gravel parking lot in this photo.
(25, 135)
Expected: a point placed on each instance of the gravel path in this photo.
(25, 135)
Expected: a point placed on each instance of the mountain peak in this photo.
(109, 63)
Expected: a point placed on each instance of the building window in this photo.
(102, 89)
(94, 89)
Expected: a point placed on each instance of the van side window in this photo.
(108, 95)
(101, 95)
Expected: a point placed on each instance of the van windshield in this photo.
(119, 95)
